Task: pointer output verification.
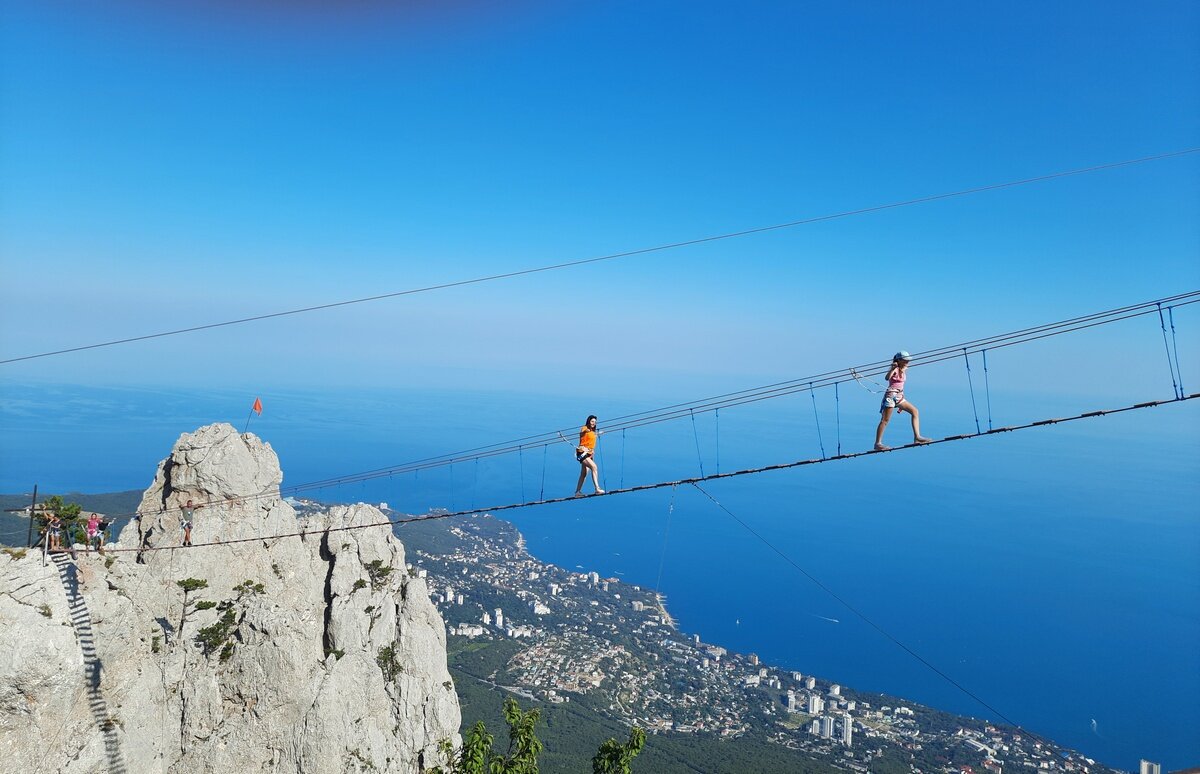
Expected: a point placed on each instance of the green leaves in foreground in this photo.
(477, 757)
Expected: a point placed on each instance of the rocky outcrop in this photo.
(316, 652)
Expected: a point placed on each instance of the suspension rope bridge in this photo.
(714, 404)
(664, 484)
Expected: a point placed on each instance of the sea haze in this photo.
(1052, 572)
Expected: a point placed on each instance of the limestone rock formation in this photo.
(316, 652)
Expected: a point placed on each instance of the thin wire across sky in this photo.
(611, 256)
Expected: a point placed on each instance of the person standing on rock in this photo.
(187, 515)
(93, 529)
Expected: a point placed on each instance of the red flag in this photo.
(257, 407)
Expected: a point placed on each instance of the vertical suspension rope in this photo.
(987, 389)
(622, 458)
(1162, 323)
(521, 462)
(452, 486)
(837, 413)
(718, 416)
(474, 481)
(663, 554)
(971, 382)
(816, 419)
(542, 491)
(600, 462)
(1175, 346)
(696, 435)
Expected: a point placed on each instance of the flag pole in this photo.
(247, 427)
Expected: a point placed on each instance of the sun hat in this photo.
(902, 355)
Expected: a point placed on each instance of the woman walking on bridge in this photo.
(893, 400)
(585, 453)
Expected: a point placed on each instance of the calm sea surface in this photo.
(1053, 573)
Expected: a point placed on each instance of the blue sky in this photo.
(170, 167)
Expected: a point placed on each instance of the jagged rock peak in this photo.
(314, 653)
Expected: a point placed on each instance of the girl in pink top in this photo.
(93, 527)
(894, 400)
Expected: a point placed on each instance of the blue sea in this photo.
(1054, 574)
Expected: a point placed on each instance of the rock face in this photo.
(321, 653)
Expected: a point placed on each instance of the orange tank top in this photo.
(587, 438)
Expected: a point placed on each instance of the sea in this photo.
(1048, 578)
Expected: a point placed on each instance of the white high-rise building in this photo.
(827, 726)
(835, 690)
(487, 618)
(815, 704)
(595, 578)
(847, 730)
(791, 701)
(499, 618)
(810, 683)
(1149, 768)
(449, 593)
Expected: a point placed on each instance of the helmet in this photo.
(902, 355)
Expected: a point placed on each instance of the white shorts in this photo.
(891, 400)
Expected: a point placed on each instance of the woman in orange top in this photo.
(585, 452)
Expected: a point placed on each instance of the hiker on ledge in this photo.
(93, 533)
(585, 453)
(187, 515)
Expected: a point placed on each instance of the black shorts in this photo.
(582, 456)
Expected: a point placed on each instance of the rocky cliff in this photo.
(311, 653)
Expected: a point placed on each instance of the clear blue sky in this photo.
(169, 167)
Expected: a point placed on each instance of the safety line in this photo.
(613, 256)
(837, 413)
(663, 484)
(1170, 364)
(864, 617)
(717, 419)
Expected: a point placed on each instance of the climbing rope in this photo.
(812, 394)
(696, 435)
(970, 382)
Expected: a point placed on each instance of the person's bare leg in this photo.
(916, 422)
(883, 423)
(595, 475)
(583, 471)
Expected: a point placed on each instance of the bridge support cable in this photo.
(521, 463)
(971, 383)
(888, 635)
(622, 484)
(717, 420)
(696, 435)
(837, 413)
(987, 389)
(817, 419)
(1175, 346)
(542, 490)
(663, 484)
(1170, 364)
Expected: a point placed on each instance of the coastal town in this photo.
(577, 636)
